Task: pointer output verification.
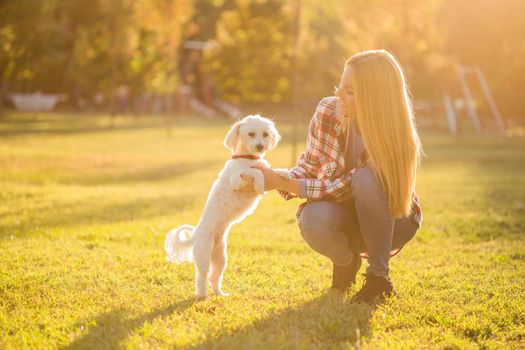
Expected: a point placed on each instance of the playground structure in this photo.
(468, 102)
(199, 90)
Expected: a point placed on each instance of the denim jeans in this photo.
(361, 224)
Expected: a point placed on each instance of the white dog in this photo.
(248, 139)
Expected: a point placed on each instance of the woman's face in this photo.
(345, 92)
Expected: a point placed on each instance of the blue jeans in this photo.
(361, 224)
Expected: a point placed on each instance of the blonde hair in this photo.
(386, 122)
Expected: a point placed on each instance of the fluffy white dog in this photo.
(248, 139)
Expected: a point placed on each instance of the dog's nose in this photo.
(259, 147)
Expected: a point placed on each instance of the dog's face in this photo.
(257, 134)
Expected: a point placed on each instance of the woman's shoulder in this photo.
(326, 109)
(328, 105)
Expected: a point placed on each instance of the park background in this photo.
(146, 91)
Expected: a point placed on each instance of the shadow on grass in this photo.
(55, 124)
(45, 124)
(112, 327)
(108, 208)
(148, 174)
(70, 130)
(86, 124)
(327, 321)
(97, 211)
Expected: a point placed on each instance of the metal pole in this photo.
(468, 96)
(451, 114)
(490, 100)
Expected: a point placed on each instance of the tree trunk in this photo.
(3, 93)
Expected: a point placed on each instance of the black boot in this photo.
(344, 276)
(375, 289)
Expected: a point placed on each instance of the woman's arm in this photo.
(289, 185)
(337, 189)
(272, 180)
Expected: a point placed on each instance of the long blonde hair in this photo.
(386, 122)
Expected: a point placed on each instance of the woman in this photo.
(358, 174)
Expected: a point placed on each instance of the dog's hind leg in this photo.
(219, 260)
(201, 256)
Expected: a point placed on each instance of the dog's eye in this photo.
(265, 134)
(251, 134)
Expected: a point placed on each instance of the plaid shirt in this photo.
(322, 165)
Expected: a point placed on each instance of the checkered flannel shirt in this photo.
(322, 164)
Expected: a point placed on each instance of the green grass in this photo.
(84, 209)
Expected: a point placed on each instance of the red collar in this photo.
(245, 156)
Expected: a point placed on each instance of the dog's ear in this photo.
(232, 136)
(275, 137)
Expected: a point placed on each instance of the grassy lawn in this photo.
(84, 209)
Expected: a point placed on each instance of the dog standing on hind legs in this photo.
(205, 244)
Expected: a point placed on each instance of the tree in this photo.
(252, 60)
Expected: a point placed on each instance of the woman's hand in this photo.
(272, 180)
(249, 187)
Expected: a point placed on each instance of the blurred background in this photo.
(464, 59)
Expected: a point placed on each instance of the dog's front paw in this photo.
(236, 181)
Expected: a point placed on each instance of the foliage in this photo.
(265, 48)
(252, 62)
(58, 46)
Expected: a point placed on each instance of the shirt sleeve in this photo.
(338, 189)
(302, 184)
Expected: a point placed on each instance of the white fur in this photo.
(205, 244)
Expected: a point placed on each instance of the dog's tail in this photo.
(178, 244)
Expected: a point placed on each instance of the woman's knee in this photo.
(364, 181)
(318, 220)
(322, 226)
(367, 190)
